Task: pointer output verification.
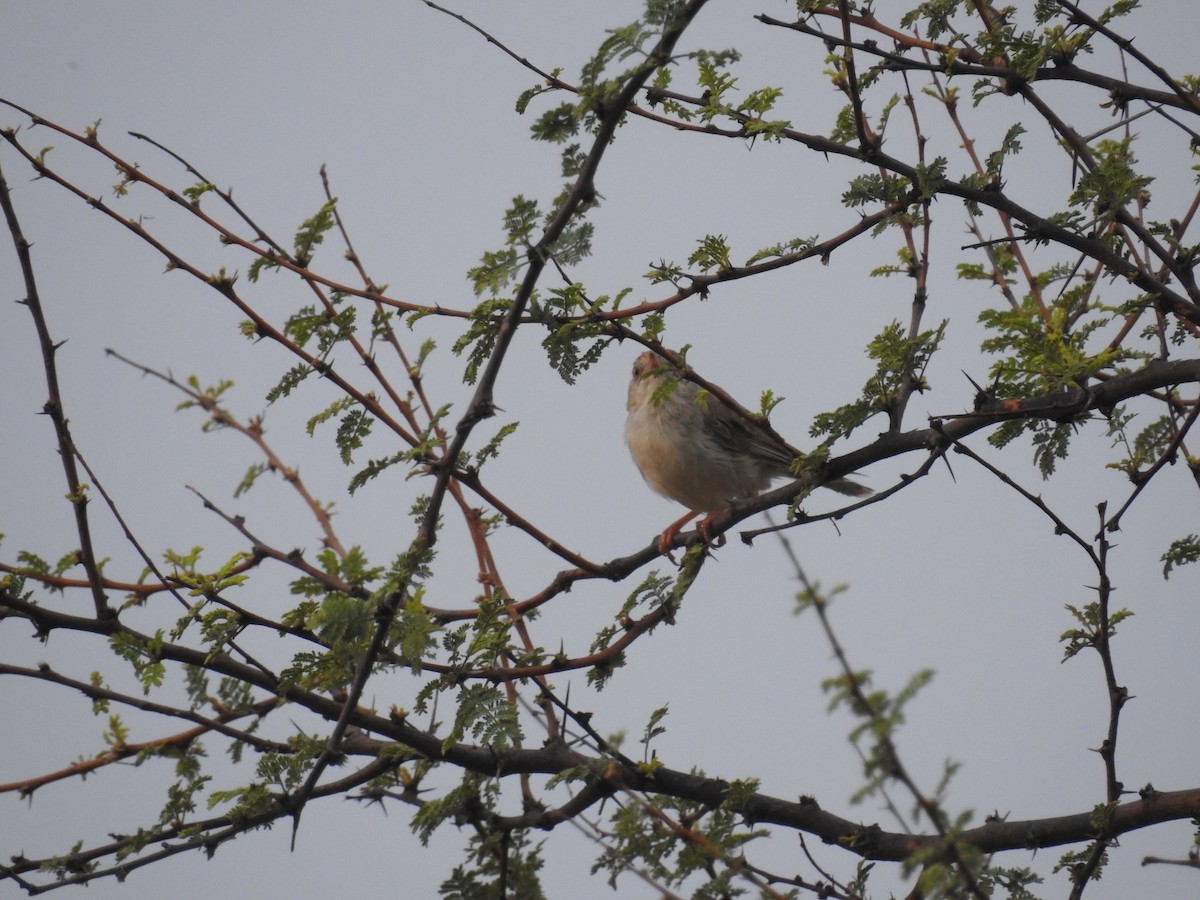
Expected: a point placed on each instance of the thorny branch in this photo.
(76, 490)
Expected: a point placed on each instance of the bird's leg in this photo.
(705, 528)
(667, 538)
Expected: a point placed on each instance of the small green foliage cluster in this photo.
(900, 366)
(1112, 184)
(33, 566)
(654, 592)
(746, 113)
(1182, 552)
(1145, 449)
(1041, 351)
(881, 714)
(1095, 626)
(1074, 861)
(309, 236)
(1029, 49)
(483, 874)
(676, 841)
(330, 327)
(144, 656)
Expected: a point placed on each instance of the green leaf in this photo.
(413, 632)
(289, 382)
(485, 712)
(557, 125)
(875, 189)
(1010, 145)
(143, 655)
(250, 477)
(312, 232)
(1091, 623)
(336, 407)
(352, 431)
(480, 335)
(375, 468)
(712, 254)
(900, 362)
(343, 620)
(785, 248)
(491, 449)
(198, 190)
(1113, 182)
(1182, 552)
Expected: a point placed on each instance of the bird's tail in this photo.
(848, 487)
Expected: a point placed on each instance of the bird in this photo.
(693, 448)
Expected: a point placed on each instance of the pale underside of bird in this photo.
(693, 448)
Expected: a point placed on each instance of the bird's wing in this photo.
(735, 435)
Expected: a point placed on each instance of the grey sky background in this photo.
(412, 113)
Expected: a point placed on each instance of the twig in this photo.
(54, 408)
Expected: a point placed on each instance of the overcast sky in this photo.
(413, 116)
